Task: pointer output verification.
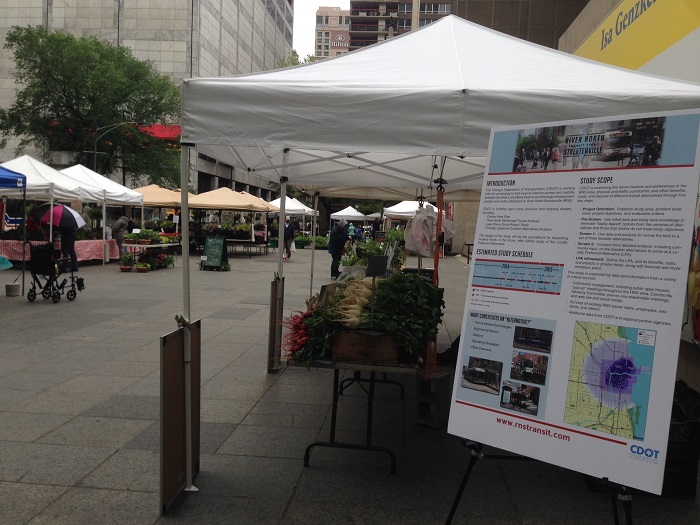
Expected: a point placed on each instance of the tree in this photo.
(71, 87)
(293, 60)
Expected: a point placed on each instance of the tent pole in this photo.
(24, 234)
(184, 182)
(105, 250)
(313, 244)
(283, 202)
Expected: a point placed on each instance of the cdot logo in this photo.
(647, 452)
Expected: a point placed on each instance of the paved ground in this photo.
(79, 419)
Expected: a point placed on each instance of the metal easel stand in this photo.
(475, 454)
(622, 493)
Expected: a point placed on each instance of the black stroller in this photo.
(48, 275)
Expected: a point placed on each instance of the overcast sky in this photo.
(305, 22)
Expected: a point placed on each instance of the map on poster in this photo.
(574, 305)
(609, 379)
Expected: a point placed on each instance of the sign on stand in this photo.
(214, 253)
(574, 306)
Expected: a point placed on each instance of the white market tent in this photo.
(399, 114)
(112, 192)
(406, 209)
(349, 214)
(44, 182)
(385, 115)
(294, 206)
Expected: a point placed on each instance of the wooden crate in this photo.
(362, 346)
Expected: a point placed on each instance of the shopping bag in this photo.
(294, 246)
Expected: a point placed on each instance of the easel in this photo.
(617, 491)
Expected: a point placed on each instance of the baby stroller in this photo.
(47, 272)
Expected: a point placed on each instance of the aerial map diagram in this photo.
(609, 379)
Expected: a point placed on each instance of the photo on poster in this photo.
(630, 143)
(482, 374)
(526, 338)
(610, 378)
(520, 397)
(528, 367)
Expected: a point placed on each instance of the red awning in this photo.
(162, 131)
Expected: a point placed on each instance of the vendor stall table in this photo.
(338, 387)
(86, 250)
(170, 248)
(246, 246)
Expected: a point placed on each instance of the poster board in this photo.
(574, 307)
(214, 253)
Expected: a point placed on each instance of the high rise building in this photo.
(331, 33)
(184, 38)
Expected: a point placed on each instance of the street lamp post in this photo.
(108, 129)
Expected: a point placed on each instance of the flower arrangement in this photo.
(156, 260)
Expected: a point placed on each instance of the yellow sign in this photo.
(638, 30)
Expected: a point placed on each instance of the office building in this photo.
(332, 36)
(184, 38)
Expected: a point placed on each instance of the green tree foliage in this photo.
(293, 60)
(69, 87)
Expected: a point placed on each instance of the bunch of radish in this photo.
(298, 334)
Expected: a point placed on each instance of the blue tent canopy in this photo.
(12, 179)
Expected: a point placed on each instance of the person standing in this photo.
(336, 246)
(351, 232)
(376, 226)
(288, 238)
(119, 228)
(68, 234)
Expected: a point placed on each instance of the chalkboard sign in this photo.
(214, 253)
(380, 236)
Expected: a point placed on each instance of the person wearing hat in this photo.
(336, 245)
(288, 238)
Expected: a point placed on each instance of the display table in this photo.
(338, 387)
(86, 250)
(247, 247)
(169, 248)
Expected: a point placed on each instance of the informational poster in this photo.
(574, 307)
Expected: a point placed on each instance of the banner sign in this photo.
(574, 308)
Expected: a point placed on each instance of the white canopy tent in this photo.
(112, 192)
(406, 209)
(294, 206)
(44, 182)
(405, 102)
(349, 214)
(405, 112)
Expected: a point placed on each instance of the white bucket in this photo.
(12, 289)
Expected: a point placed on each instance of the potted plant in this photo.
(126, 262)
(146, 236)
(131, 238)
(142, 267)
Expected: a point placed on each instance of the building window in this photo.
(319, 21)
(325, 53)
(340, 20)
(404, 23)
(326, 47)
(327, 34)
(435, 8)
(326, 40)
(405, 8)
(319, 34)
(326, 20)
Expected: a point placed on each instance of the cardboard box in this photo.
(364, 346)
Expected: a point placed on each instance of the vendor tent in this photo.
(269, 207)
(387, 115)
(112, 192)
(156, 197)
(406, 209)
(44, 182)
(294, 206)
(12, 179)
(224, 199)
(349, 214)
